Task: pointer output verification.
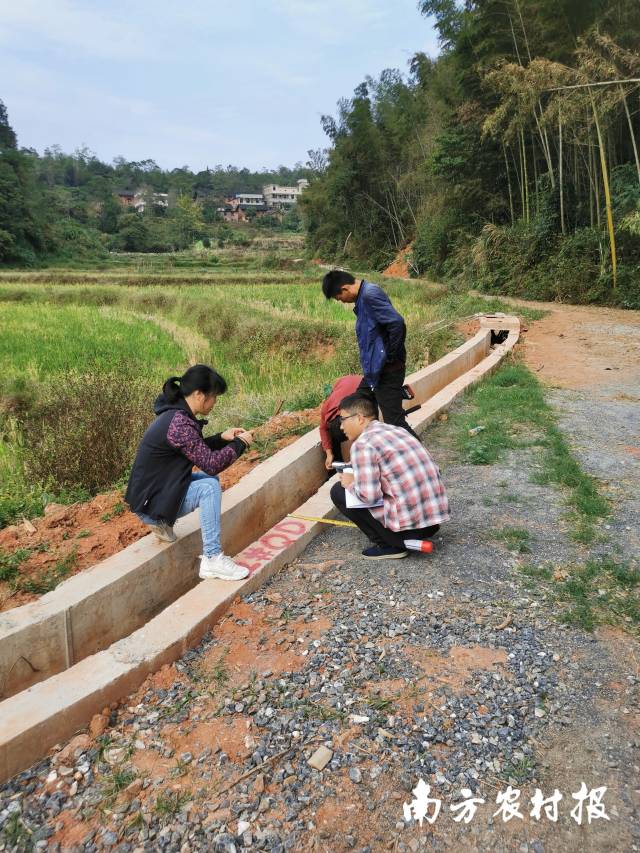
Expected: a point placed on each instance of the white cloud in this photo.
(194, 80)
(75, 113)
(70, 24)
(333, 22)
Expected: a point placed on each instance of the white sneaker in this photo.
(221, 566)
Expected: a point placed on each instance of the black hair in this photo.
(198, 377)
(358, 404)
(333, 281)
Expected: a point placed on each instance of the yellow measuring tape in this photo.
(323, 520)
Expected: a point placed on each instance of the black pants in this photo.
(375, 530)
(337, 437)
(388, 396)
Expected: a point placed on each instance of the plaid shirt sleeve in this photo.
(366, 472)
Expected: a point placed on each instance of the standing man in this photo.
(381, 334)
(395, 491)
(334, 442)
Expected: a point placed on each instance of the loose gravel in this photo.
(445, 668)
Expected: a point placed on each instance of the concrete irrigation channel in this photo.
(96, 637)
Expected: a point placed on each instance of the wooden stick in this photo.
(261, 766)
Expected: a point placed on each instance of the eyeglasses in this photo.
(346, 417)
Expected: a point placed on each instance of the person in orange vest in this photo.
(331, 435)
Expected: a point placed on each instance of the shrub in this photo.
(628, 291)
(84, 433)
(434, 238)
(17, 496)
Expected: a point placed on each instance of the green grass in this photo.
(275, 339)
(543, 572)
(254, 314)
(217, 675)
(600, 590)
(50, 579)
(381, 704)
(318, 711)
(562, 468)
(511, 407)
(10, 564)
(41, 341)
(514, 538)
(117, 510)
(169, 804)
(521, 770)
(116, 782)
(15, 834)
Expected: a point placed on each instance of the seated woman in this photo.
(162, 486)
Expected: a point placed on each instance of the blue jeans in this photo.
(204, 492)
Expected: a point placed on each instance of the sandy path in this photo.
(584, 347)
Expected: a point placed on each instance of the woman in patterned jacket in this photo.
(163, 487)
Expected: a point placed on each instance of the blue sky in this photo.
(190, 82)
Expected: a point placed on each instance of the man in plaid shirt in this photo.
(393, 470)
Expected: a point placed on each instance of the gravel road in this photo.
(451, 668)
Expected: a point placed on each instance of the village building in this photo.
(273, 197)
(142, 199)
(283, 197)
(249, 200)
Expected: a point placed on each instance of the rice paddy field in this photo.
(84, 353)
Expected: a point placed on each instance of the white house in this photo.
(277, 196)
(141, 199)
(249, 199)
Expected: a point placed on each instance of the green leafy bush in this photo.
(435, 238)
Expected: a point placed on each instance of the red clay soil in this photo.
(71, 538)
(399, 268)
(247, 641)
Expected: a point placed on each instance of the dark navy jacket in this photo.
(380, 331)
(169, 449)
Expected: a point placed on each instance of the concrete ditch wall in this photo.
(90, 611)
(53, 709)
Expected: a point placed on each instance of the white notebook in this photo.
(355, 503)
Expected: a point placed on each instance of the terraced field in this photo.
(99, 343)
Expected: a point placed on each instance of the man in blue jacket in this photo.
(381, 333)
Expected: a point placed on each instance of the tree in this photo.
(21, 228)
(7, 134)
(109, 214)
(186, 223)
(133, 234)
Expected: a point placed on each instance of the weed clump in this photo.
(84, 432)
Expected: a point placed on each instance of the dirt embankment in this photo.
(399, 267)
(69, 539)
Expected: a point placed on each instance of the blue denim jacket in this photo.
(380, 331)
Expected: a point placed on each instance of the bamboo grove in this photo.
(510, 162)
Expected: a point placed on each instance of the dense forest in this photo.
(66, 207)
(510, 162)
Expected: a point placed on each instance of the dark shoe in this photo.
(376, 552)
(163, 531)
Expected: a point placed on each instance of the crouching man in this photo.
(395, 482)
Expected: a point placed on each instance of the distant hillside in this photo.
(510, 161)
